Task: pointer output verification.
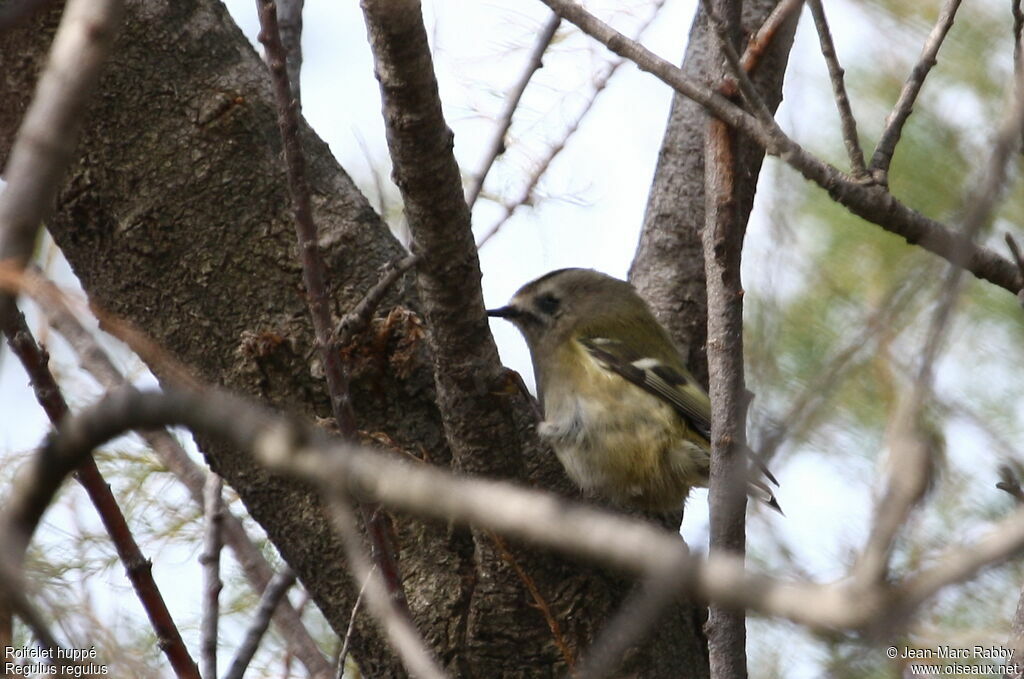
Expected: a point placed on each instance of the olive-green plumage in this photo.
(624, 416)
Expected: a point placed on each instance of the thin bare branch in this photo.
(882, 156)
(957, 564)
(213, 514)
(1018, 32)
(871, 202)
(722, 237)
(835, 72)
(814, 395)
(1011, 243)
(1019, 261)
(393, 620)
(272, 597)
(539, 602)
(910, 446)
(137, 567)
(512, 99)
(313, 275)
(356, 320)
(542, 164)
(912, 456)
(343, 653)
(342, 468)
(13, 589)
(314, 278)
(759, 42)
(729, 52)
(95, 360)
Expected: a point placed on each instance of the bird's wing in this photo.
(656, 377)
(677, 389)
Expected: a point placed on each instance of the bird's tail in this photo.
(758, 488)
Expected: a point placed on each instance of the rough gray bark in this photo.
(669, 265)
(175, 217)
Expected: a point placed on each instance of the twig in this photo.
(541, 166)
(910, 447)
(814, 394)
(724, 229)
(46, 139)
(313, 274)
(728, 50)
(213, 514)
(908, 95)
(272, 596)
(341, 468)
(314, 278)
(512, 99)
(872, 203)
(356, 320)
(618, 43)
(957, 564)
(539, 601)
(759, 42)
(978, 205)
(911, 464)
(343, 653)
(13, 589)
(960, 410)
(393, 620)
(835, 72)
(980, 200)
(158, 359)
(137, 567)
(95, 360)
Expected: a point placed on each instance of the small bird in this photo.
(624, 416)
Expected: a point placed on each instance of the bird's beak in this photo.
(507, 312)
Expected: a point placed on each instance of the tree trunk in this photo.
(175, 217)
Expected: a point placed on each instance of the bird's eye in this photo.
(547, 304)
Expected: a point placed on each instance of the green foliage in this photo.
(841, 272)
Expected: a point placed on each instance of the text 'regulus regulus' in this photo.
(624, 415)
